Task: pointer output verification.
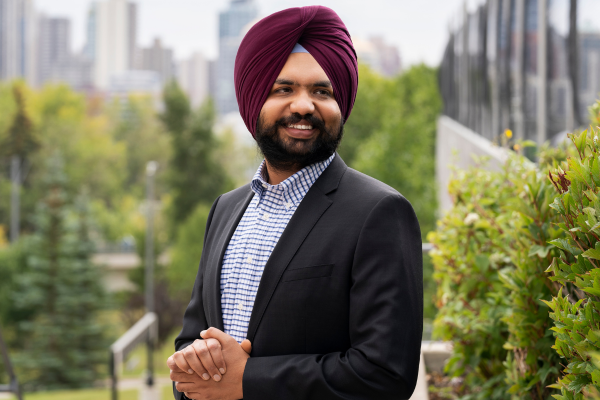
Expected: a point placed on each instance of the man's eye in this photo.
(283, 90)
(323, 92)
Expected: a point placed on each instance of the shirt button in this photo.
(266, 216)
(264, 185)
(249, 259)
(240, 306)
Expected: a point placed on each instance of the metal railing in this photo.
(13, 386)
(145, 330)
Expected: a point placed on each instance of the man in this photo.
(316, 266)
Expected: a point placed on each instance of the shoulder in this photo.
(233, 197)
(366, 189)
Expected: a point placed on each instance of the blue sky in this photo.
(418, 27)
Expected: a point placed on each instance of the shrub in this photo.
(490, 260)
(531, 363)
(469, 252)
(575, 310)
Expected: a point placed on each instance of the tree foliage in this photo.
(186, 252)
(64, 340)
(21, 140)
(399, 148)
(195, 175)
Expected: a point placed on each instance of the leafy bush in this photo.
(470, 250)
(490, 257)
(595, 114)
(531, 363)
(576, 308)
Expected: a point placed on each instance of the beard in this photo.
(292, 154)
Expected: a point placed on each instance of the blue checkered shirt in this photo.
(255, 238)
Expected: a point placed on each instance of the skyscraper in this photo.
(53, 45)
(231, 24)
(193, 75)
(17, 40)
(157, 58)
(56, 61)
(111, 41)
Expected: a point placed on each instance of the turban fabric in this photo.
(268, 44)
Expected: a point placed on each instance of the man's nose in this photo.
(302, 104)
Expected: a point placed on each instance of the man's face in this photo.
(300, 122)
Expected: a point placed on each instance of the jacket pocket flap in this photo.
(318, 271)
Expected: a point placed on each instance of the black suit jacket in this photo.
(339, 309)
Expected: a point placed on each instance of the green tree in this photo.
(375, 92)
(21, 140)
(134, 124)
(195, 175)
(186, 252)
(401, 152)
(64, 342)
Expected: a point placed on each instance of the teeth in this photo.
(305, 127)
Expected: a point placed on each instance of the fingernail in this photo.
(205, 376)
(222, 370)
(190, 371)
(217, 378)
(170, 370)
(202, 333)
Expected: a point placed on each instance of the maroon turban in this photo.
(268, 44)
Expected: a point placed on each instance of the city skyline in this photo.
(190, 26)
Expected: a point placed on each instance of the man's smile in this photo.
(300, 131)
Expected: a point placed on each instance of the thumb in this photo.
(246, 346)
(221, 336)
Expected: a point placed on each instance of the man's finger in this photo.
(186, 386)
(225, 339)
(203, 353)
(194, 362)
(173, 365)
(185, 378)
(182, 363)
(214, 347)
(246, 346)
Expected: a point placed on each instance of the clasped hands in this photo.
(211, 368)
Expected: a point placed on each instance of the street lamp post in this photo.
(151, 168)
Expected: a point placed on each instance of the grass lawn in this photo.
(85, 394)
(93, 394)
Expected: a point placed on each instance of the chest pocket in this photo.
(317, 271)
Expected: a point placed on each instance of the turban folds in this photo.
(268, 44)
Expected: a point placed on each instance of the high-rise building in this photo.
(111, 41)
(378, 55)
(157, 58)
(54, 41)
(193, 75)
(56, 61)
(231, 24)
(17, 40)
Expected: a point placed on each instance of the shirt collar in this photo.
(296, 186)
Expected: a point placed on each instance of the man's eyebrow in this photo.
(326, 84)
(283, 81)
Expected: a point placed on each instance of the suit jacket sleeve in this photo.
(194, 318)
(386, 322)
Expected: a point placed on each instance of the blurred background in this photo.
(119, 127)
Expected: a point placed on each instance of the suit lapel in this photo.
(310, 210)
(212, 284)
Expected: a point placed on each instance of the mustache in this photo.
(293, 119)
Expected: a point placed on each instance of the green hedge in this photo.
(576, 309)
(491, 251)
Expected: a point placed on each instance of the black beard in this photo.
(295, 154)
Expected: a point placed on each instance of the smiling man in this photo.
(314, 268)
